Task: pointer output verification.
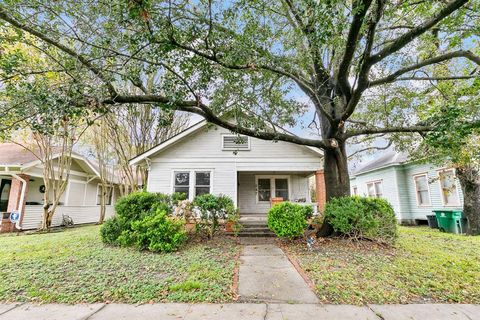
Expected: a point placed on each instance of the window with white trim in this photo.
(375, 189)
(108, 196)
(235, 142)
(181, 182)
(202, 182)
(448, 188)
(355, 190)
(422, 189)
(192, 182)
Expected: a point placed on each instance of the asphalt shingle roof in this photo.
(12, 154)
(389, 158)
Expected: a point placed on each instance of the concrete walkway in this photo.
(237, 311)
(266, 275)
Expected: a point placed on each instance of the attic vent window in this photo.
(235, 142)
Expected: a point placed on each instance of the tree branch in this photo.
(444, 57)
(412, 129)
(8, 18)
(409, 36)
(370, 148)
(360, 8)
(203, 110)
(365, 64)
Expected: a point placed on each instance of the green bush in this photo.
(133, 208)
(158, 232)
(111, 230)
(212, 208)
(361, 217)
(288, 220)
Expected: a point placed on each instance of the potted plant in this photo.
(232, 224)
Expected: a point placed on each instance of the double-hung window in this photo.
(202, 182)
(182, 182)
(422, 190)
(375, 189)
(192, 182)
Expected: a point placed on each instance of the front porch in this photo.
(24, 194)
(257, 191)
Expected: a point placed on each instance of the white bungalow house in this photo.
(413, 189)
(22, 188)
(208, 159)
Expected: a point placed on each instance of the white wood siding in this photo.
(76, 193)
(32, 218)
(207, 143)
(223, 176)
(203, 150)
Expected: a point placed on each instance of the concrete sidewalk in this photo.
(234, 311)
(266, 275)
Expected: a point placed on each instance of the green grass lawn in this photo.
(425, 266)
(75, 266)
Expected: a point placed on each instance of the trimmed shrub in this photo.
(130, 209)
(158, 232)
(288, 220)
(111, 230)
(360, 217)
(211, 209)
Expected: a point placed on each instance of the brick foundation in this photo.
(320, 189)
(14, 202)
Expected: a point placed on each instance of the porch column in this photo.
(320, 189)
(14, 201)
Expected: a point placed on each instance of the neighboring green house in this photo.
(413, 189)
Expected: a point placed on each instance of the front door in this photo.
(5, 186)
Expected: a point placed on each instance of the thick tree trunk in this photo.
(337, 180)
(469, 178)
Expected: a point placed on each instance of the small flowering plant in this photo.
(211, 209)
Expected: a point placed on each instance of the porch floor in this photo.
(260, 217)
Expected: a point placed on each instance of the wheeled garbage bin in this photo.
(451, 221)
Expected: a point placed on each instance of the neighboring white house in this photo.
(22, 188)
(209, 159)
(414, 189)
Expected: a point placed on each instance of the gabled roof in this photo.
(190, 130)
(14, 155)
(168, 142)
(388, 159)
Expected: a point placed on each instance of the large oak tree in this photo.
(250, 60)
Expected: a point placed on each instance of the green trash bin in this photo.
(451, 221)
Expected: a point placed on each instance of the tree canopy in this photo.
(253, 59)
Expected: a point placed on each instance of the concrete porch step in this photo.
(255, 229)
(243, 234)
(253, 224)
